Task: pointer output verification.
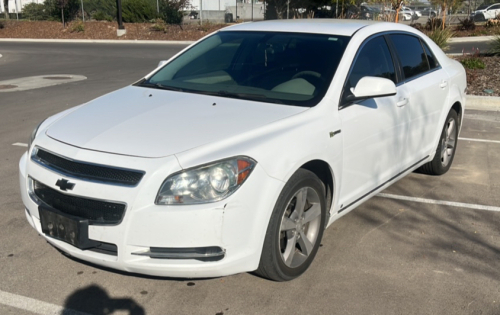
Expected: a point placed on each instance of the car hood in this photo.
(153, 123)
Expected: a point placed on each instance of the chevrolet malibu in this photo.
(236, 154)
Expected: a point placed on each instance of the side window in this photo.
(411, 54)
(373, 60)
(433, 63)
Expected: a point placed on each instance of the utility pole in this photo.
(83, 13)
(252, 9)
(121, 29)
(287, 9)
(201, 12)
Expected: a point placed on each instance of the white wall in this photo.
(20, 4)
(220, 5)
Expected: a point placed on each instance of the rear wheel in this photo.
(295, 229)
(446, 148)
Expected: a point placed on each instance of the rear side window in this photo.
(433, 63)
(373, 60)
(411, 54)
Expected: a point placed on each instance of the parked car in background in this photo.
(404, 16)
(369, 13)
(429, 12)
(236, 154)
(485, 12)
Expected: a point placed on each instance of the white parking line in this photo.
(20, 144)
(440, 202)
(35, 306)
(479, 140)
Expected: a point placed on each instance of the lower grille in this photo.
(96, 211)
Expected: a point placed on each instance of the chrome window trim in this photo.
(35, 159)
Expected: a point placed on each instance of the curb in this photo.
(476, 102)
(186, 42)
(469, 39)
(99, 41)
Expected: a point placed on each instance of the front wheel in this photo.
(295, 228)
(446, 148)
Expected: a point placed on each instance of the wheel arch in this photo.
(324, 172)
(457, 107)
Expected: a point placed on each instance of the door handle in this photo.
(443, 84)
(402, 102)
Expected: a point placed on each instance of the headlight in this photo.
(33, 135)
(207, 183)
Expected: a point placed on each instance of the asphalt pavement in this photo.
(436, 250)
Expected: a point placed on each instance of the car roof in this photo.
(315, 26)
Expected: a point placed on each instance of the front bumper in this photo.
(237, 224)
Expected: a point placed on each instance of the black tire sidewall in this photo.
(298, 181)
(437, 158)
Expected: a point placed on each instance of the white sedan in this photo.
(235, 155)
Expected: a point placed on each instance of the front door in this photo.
(373, 130)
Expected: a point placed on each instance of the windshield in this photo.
(282, 68)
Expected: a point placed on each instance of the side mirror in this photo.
(161, 63)
(371, 87)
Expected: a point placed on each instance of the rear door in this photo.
(427, 86)
(373, 130)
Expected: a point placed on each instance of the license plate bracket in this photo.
(67, 228)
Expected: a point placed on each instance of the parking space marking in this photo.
(35, 306)
(440, 202)
(479, 140)
(20, 144)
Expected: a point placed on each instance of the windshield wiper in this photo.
(161, 86)
(247, 96)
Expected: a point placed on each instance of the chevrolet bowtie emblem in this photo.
(64, 185)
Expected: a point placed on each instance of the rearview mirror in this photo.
(161, 63)
(370, 87)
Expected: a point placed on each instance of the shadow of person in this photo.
(95, 300)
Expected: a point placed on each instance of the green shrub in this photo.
(495, 46)
(77, 27)
(170, 14)
(101, 16)
(137, 11)
(473, 63)
(466, 25)
(35, 12)
(434, 24)
(158, 26)
(100, 10)
(441, 37)
(70, 8)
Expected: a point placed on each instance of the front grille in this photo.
(82, 170)
(96, 211)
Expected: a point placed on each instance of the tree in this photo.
(171, 10)
(6, 6)
(445, 5)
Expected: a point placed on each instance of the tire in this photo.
(444, 156)
(285, 254)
